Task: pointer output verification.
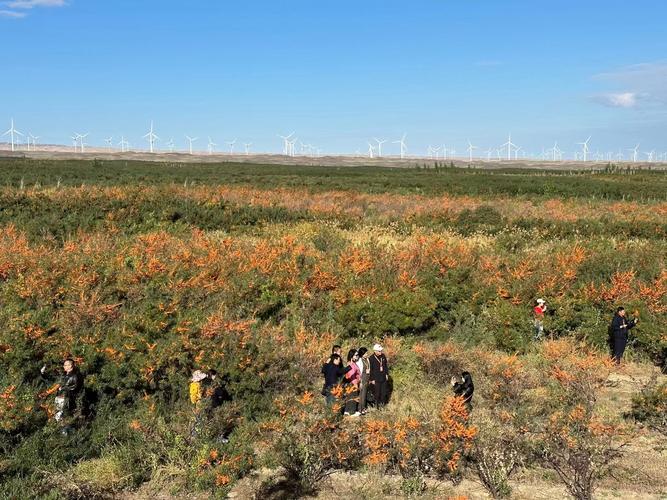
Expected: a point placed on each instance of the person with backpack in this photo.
(620, 327)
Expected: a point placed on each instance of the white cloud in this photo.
(11, 13)
(18, 8)
(637, 86)
(29, 4)
(620, 100)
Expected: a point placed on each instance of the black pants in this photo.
(380, 391)
(620, 341)
(351, 400)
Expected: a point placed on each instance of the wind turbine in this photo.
(371, 150)
(557, 154)
(247, 145)
(509, 145)
(286, 147)
(191, 139)
(211, 146)
(231, 146)
(402, 146)
(436, 151)
(470, 150)
(123, 144)
(151, 137)
(380, 143)
(170, 145)
(109, 141)
(584, 147)
(649, 156)
(80, 138)
(635, 152)
(11, 132)
(34, 141)
(290, 146)
(489, 152)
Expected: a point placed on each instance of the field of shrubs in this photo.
(143, 273)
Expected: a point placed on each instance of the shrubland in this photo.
(256, 271)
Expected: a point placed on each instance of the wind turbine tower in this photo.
(123, 144)
(379, 148)
(470, 150)
(509, 145)
(12, 132)
(403, 147)
(211, 146)
(151, 137)
(191, 140)
(584, 148)
(286, 143)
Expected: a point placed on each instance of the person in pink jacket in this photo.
(351, 385)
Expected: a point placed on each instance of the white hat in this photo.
(377, 348)
(198, 376)
(541, 301)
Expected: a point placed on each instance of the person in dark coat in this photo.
(216, 390)
(463, 387)
(333, 371)
(620, 327)
(70, 387)
(379, 376)
(336, 349)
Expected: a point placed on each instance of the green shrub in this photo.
(650, 406)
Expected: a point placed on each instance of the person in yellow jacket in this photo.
(196, 389)
(197, 393)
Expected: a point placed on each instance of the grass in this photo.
(608, 183)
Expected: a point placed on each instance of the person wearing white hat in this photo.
(196, 386)
(379, 376)
(538, 318)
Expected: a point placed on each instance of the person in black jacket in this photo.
(332, 371)
(70, 387)
(619, 327)
(379, 376)
(463, 387)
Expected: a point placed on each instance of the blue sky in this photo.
(339, 73)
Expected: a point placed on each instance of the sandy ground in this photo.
(63, 153)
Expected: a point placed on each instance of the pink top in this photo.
(353, 375)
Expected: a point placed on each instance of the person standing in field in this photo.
(70, 387)
(620, 327)
(379, 376)
(332, 372)
(538, 318)
(197, 391)
(365, 368)
(352, 381)
(336, 349)
(463, 387)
